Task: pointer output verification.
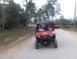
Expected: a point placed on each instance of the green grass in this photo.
(73, 29)
(9, 36)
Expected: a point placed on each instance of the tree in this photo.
(57, 6)
(50, 10)
(0, 13)
(22, 19)
(46, 12)
(62, 21)
(62, 17)
(39, 14)
(52, 1)
(3, 11)
(29, 9)
(12, 13)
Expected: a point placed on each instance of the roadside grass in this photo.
(9, 36)
(71, 29)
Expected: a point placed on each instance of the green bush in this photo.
(67, 26)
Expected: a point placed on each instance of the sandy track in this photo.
(16, 48)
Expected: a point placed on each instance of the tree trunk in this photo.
(52, 18)
(26, 15)
(3, 17)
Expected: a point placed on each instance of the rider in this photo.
(41, 28)
(49, 28)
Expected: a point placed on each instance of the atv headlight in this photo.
(51, 35)
(38, 36)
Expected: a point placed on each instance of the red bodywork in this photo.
(45, 33)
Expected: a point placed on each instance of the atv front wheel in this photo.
(55, 43)
(36, 44)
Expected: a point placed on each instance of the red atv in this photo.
(45, 35)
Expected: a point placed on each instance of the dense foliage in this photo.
(15, 16)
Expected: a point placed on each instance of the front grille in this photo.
(45, 36)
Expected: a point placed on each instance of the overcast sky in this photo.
(67, 6)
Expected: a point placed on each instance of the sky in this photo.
(67, 7)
